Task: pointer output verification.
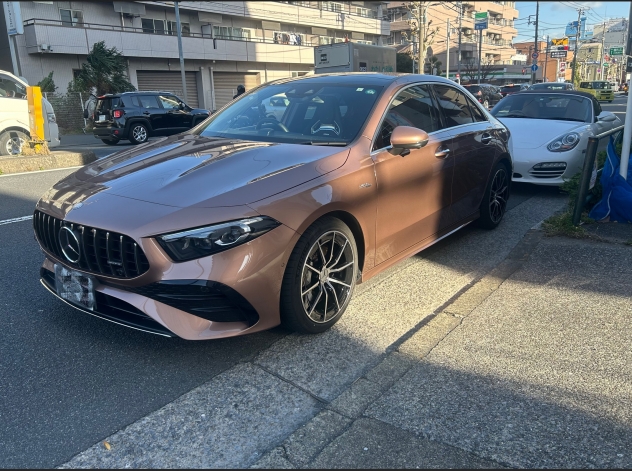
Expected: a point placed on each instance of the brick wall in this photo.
(68, 110)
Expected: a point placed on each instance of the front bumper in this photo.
(525, 159)
(227, 294)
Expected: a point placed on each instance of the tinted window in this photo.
(105, 104)
(10, 88)
(414, 107)
(454, 105)
(476, 112)
(545, 106)
(511, 88)
(169, 102)
(148, 101)
(473, 89)
(314, 113)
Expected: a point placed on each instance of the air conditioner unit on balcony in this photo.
(467, 31)
(45, 48)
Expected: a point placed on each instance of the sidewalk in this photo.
(529, 366)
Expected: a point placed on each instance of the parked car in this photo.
(550, 131)
(513, 88)
(246, 221)
(138, 115)
(614, 86)
(552, 86)
(600, 89)
(487, 95)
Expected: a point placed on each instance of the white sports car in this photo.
(549, 132)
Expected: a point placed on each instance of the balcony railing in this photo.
(131, 29)
(338, 7)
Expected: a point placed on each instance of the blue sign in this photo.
(480, 20)
(479, 26)
(534, 67)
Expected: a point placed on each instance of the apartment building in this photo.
(497, 49)
(224, 43)
(549, 69)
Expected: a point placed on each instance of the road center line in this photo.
(11, 221)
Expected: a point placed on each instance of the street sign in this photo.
(616, 51)
(561, 43)
(13, 18)
(534, 68)
(558, 54)
(535, 55)
(562, 67)
(480, 20)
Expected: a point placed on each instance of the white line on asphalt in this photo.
(39, 171)
(11, 221)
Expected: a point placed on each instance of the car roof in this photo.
(137, 92)
(555, 92)
(368, 78)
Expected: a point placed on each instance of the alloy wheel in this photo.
(139, 133)
(498, 195)
(327, 277)
(14, 145)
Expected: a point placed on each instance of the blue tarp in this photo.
(616, 200)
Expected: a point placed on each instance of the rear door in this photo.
(471, 149)
(153, 112)
(103, 112)
(413, 190)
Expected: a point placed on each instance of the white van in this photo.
(614, 86)
(14, 116)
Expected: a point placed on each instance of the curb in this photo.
(307, 442)
(55, 160)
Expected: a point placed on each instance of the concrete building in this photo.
(225, 43)
(499, 57)
(549, 69)
(614, 33)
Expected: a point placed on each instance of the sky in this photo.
(554, 16)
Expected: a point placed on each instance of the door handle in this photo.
(442, 153)
(146, 113)
(486, 138)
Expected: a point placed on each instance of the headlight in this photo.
(564, 143)
(51, 117)
(209, 240)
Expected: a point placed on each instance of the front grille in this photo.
(209, 300)
(556, 173)
(101, 252)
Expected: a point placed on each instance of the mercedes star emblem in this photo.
(69, 243)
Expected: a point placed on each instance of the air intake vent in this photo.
(98, 251)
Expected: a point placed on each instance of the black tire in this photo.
(110, 142)
(303, 287)
(11, 142)
(610, 101)
(138, 133)
(494, 202)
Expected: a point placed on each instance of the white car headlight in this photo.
(563, 143)
(51, 117)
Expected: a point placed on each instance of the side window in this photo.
(148, 101)
(454, 106)
(414, 107)
(169, 102)
(476, 112)
(597, 107)
(10, 88)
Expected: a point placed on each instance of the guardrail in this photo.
(589, 172)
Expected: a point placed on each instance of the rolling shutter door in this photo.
(160, 80)
(226, 85)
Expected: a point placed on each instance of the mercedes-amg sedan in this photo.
(255, 218)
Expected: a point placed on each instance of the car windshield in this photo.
(302, 112)
(601, 85)
(548, 86)
(544, 106)
(473, 88)
(510, 88)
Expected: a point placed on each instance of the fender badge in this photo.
(365, 185)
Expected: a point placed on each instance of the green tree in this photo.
(102, 70)
(404, 63)
(47, 84)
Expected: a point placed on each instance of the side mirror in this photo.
(606, 117)
(405, 138)
(85, 114)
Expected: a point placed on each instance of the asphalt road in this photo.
(69, 380)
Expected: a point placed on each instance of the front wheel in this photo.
(320, 277)
(494, 202)
(138, 133)
(11, 142)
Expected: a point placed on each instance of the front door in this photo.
(177, 117)
(413, 190)
(472, 150)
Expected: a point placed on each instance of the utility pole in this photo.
(535, 44)
(179, 30)
(480, 53)
(627, 130)
(579, 17)
(458, 62)
(546, 57)
(447, 50)
(422, 42)
(603, 39)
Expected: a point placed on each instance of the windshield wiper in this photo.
(516, 116)
(566, 119)
(321, 143)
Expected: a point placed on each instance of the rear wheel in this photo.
(11, 142)
(110, 142)
(494, 202)
(138, 133)
(320, 277)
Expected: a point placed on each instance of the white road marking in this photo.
(39, 171)
(11, 221)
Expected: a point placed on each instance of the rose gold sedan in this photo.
(274, 208)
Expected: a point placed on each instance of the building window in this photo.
(322, 40)
(75, 73)
(164, 27)
(299, 74)
(228, 32)
(172, 28)
(71, 17)
(333, 6)
(359, 41)
(282, 37)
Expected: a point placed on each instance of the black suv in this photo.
(513, 88)
(486, 94)
(138, 115)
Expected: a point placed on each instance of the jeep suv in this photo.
(138, 115)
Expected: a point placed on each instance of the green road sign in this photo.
(616, 51)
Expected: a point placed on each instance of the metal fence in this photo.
(68, 110)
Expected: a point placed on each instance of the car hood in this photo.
(187, 171)
(530, 133)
